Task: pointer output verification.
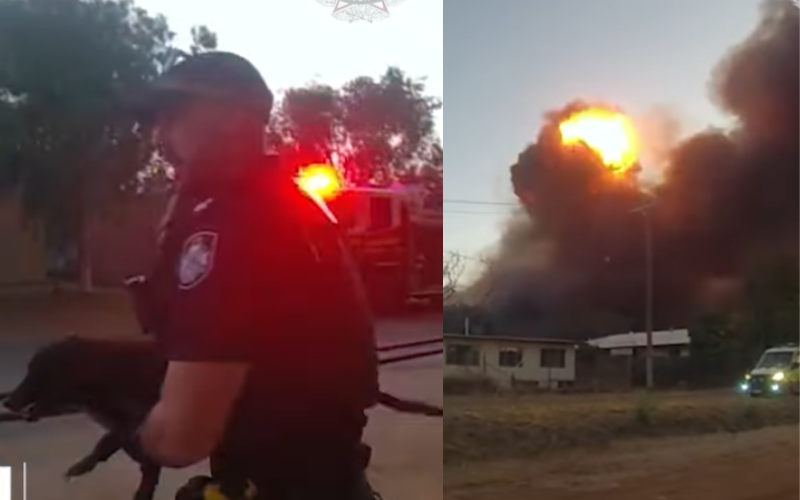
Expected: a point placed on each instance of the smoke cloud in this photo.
(726, 199)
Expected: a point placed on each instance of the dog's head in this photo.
(48, 385)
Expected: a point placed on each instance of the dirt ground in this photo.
(758, 465)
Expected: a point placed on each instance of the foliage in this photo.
(724, 343)
(452, 271)
(378, 130)
(69, 150)
(64, 65)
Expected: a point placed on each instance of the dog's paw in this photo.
(80, 469)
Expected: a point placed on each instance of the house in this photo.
(545, 363)
(666, 343)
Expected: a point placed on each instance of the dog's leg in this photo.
(103, 450)
(151, 475)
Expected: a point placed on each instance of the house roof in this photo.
(639, 339)
(512, 340)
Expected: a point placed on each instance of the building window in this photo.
(462, 355)
(554, 358)
(510, 358)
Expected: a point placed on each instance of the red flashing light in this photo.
(320, 181)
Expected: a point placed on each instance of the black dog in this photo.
(115, 383)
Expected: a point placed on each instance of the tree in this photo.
(772, 298)
(453, 269)
(70, 150)
(64, 64)
(728, 341)
(377, 130)
(307, 124)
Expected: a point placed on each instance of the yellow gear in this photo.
(212, 492)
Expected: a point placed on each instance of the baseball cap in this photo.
(219, 76)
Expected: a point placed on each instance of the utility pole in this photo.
(648, 313)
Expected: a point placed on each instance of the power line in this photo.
(473, 212)
(481, 203)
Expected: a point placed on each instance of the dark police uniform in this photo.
(252, 270)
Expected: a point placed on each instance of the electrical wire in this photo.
(473, 212)
(481, 207)
(481, 203)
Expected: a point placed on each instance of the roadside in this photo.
(36, 312)
(757, 465)
(408, 451)
(482, 429)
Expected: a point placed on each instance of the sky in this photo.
(508, 62)
(294, 42)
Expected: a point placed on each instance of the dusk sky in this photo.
(507, 62)
(294, 42)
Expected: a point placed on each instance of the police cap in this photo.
(218, 76)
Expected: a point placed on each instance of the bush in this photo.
(466, 385)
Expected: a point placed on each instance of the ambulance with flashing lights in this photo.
(395, 233)
(776, 373)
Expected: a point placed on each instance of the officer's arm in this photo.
(190, 419)
(208, 346)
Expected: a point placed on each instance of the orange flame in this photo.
(609, 134)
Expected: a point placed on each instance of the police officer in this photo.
(253, 300)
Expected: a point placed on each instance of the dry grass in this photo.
(505, 428)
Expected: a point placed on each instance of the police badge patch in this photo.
(197, 259)
(360, 10)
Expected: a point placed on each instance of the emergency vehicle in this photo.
(395, 234)
(776, 372)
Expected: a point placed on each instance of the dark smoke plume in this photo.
(727, 198)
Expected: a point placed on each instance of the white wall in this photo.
(530, 369)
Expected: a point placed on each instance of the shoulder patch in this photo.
(197, 259)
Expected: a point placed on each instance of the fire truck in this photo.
(395, 234)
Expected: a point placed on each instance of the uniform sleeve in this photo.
(215, 310)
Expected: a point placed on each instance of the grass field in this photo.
(483, 429)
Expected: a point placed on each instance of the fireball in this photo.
(608, 133)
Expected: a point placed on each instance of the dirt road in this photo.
(408, 450)
(758, 465)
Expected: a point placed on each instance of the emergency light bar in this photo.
(320, 181)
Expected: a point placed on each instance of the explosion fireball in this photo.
(608, 133)
(574, 260)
